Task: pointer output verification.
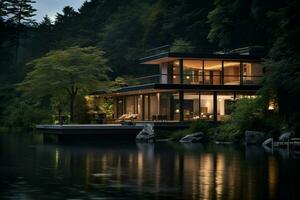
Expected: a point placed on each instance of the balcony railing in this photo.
(197, 79)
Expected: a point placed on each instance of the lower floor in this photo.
(175, 105)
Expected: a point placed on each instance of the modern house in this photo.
(190, 86)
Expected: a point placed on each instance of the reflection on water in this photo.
(31, 170)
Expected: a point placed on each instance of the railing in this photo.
(177, 49)
(189, 78)
(254, 50)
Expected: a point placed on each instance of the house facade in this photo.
(189, 86)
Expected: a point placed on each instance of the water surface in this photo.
(107, 170)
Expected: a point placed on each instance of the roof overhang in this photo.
(169, 57)
(154, 88)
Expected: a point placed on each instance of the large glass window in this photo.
(252, 73)
(206, 106)
(231, 73)
(193, 71)
(176, 72)
(198, 106)
(129, 105)
(212, 72)
(225, 102)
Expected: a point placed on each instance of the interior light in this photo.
(177, 111)
(187, 77)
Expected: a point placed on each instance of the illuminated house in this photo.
(190, 86)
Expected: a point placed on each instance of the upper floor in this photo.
(206, 68)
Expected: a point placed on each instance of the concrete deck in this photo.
(100, 132)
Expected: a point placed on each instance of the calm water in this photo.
(31, 170)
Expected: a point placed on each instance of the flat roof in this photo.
(154, 87)
(172, 56)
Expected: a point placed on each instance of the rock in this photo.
(196, 137)
(147, 134)
(285, 136)
(268, 142)
(254, 137)
(223, 142)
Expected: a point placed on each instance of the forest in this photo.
(109, 37)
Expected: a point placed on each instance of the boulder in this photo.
(254, 137)
(147, 134)
(196, 137)
(285, 136)
(268, 142)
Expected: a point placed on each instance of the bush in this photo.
(249, 114)
(20, 116)
(195, 126)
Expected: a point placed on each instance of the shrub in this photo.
(249, 114)
(195, 126)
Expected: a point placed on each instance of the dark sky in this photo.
(51, 7)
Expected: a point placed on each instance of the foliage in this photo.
(21, 114)
(248, 114)
(282, 84)
(195, 126)
(64, 74)
(181, 46)
(20, 11)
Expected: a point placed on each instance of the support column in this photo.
(181, 106)
(124, 105)
(199, 104)
(181, 71)
(158, 103)
(143, 107)
(222, 73)
(172, 107)
(241, 73)
(116, 110)
(203, 75)
(149, 107)
(215, 100)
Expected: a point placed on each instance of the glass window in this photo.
(153, 106)
(130, 105)
(231, 73)
(252, 73)
(176, 72)
(193, 71)
(206, 106)
(212, 72)
(191, 106)
(225, 102)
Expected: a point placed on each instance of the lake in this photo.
(108, 170)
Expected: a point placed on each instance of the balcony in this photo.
(192, 79)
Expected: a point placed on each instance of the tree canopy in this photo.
(64, 74)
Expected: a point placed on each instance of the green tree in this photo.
(282, 83)
(64, 74)
(3, 9)
(20, 13)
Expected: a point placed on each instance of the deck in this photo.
(101, 132)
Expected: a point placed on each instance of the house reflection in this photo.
(216, 175)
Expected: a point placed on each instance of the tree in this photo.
(21, 11)
(3, 9)
(282, 82)
(64, 74)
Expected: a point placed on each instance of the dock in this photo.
(101, 132)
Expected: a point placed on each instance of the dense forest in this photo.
(122, 31)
